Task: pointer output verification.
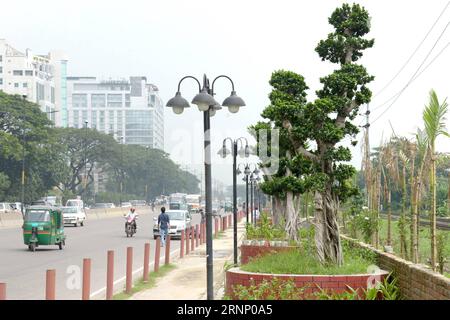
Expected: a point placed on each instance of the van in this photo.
(75, 203)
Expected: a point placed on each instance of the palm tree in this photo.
(434, 121)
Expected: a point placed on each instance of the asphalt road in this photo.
(24, 271)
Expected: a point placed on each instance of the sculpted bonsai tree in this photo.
(310, 133)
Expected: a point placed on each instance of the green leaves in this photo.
(434, 118)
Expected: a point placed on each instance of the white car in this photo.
(5, 207)
(179, 220)
(74, 215)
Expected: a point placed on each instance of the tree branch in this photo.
(297, 145)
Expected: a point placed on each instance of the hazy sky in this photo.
(247, 40)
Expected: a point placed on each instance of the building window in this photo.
(53, 94)
(17, 73)
(94, 119)
(1, 69)
(101, 125)
(25, 85)
(76, 119)
(79, 100)
(127, 100)
(40, 92)
(1, 58)
(98, 101)
(1, 81)
(28, 72)
(16, 85)
(114, 100)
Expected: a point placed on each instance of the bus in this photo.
(177, 201)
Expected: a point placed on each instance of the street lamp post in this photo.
(208, 105)
(244, 151)
(85, 160)
(247, 172)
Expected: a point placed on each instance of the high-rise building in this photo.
(37, 78)
(127, 109)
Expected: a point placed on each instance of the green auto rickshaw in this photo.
(43, 225)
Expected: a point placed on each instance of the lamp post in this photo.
(85, 160)
(247, 172)
(121, 170)
(147, 148)
(244, 151)
(208, 105)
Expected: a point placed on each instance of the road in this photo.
(24, 271)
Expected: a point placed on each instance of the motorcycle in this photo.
(130, 226)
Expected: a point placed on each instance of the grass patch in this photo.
(301, 261)
(140, 285)
(424, 241)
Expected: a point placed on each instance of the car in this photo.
(138, 203)
(105, 205)
(179, 220)
(5, 207)
(73, 215)
(126, 204)
(16, 206)
(75, 203)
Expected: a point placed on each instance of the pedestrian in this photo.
(164, 225)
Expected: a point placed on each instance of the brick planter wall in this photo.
(311, 283)
(416, 281)
(251, 249)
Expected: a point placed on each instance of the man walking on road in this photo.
(164, 225)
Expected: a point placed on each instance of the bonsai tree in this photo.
(313, 131)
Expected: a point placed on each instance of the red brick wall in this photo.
(416, 282)
(311, 283)
(249, 252)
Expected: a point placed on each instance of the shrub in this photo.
(265, 230)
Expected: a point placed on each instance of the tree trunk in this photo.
(412, 226)
(433, 209)
(415, 253)
(327, 229)
(291, 217)
(277, 210)
(389, 208)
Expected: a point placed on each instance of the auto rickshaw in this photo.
(43, 225)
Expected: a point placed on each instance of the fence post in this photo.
(50, 279)
(146, 260)
(197, 235)
(2, 291)
(86, 292)
(188, 233)
(129, 275)
(192, 238)
(167, 254)
(204, 233)
(157, 253)
(110, 275)
(182, 244)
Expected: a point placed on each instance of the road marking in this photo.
(123, 278)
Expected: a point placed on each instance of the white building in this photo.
(128, 109)
(37, 78)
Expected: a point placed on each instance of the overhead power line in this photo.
(415, 73)
(414, 52)
(414, 79)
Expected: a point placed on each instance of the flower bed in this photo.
(252, 249)
(312, 284)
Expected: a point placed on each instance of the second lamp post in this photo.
(244, 151)
(208, 105)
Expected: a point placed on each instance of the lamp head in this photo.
(203, 100)
(178, 103)
(233, 102)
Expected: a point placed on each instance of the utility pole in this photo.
(366, 162)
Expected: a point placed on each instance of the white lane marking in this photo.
(123, 278)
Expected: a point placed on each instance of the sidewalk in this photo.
(188, 280)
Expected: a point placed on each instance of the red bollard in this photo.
(182, 244)
(157, 253)
(2, 291)
(188, 233)
(146, 260)
(50, 280)
(129, 274)
(197, 235)
(216, 227)
(167, 254)
(110, 275)
(86, 291)
(192, 238)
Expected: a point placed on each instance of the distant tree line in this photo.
(62, 161)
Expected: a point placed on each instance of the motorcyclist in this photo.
(131, 217)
